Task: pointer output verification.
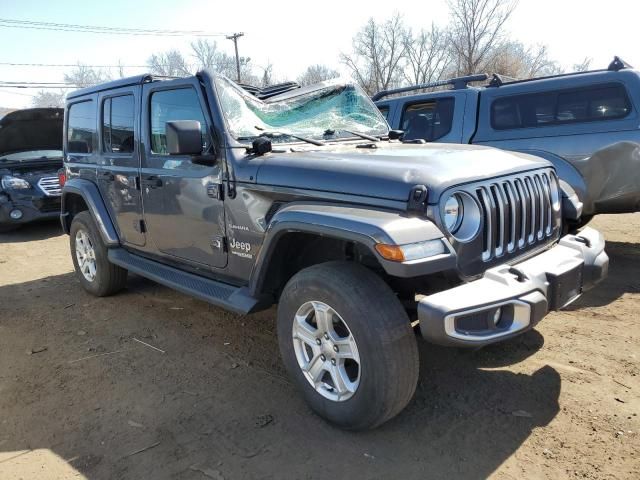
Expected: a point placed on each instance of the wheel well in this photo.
(297, 250)
(73, 204)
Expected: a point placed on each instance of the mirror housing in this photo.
(395, 134)
(183, 137)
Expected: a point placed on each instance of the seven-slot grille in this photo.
(50, 186)
(517, 212)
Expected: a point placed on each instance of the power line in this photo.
(5, 82)
(13, 64)
(68, 27)
(17, 93)
(39, 86)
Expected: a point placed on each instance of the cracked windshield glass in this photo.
(331, 111)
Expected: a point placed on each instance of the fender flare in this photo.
(91, 196)
(366, 226)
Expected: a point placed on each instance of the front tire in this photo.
(97, 275)
(348, 344)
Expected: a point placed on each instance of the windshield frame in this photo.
(242, 140)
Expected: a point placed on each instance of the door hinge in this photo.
(137, 182)
(215, 190)
(143, 227)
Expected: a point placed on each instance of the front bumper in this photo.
(31, 209)
(510, 299)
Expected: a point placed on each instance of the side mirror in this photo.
(183, 137)
(395, 134)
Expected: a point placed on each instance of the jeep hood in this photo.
(31, 129)
(392, 169)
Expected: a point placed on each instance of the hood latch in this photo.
(417, 204)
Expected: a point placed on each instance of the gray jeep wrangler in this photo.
(246, 198)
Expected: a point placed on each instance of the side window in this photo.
(169, 105)
(117, 124)
(385, 112)
(587, 104)
(593, 104)
(430, 120)
(81, 127)
(523, 111)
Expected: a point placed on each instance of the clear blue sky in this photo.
(291, 37)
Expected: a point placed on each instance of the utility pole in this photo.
(235, 37)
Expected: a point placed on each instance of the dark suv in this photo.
(587, 124)
(30, 157)
(297, 196)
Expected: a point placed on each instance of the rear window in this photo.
(430, 120)
(81, 127)
(588, 104)
(117, 124)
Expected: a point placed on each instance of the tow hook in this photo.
(519, 274)
(583, 240)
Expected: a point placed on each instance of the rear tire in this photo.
(362, 308)
(97, 275)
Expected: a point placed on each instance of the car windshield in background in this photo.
(31, 155)
(330, 110)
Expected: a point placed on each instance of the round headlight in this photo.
(452, 213)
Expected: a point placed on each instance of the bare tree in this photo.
(515, 60)
(428, 55)
(170, 64)
(84, 76)
(208, 55)
(582, 66)
(49, 98)
(476, 30)
(378, 52)
(316, 74)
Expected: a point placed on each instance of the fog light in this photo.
(497, 315)
(16, 214)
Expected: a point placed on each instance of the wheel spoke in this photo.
(324, 317)
(341, 382)
(305, 332)
(346, 348)
(315, 369)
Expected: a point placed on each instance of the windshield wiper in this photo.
(351, 132)
(271, 134)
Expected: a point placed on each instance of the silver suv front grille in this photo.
(50, 186)
(517, 212)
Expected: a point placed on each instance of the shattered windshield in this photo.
(333, 107)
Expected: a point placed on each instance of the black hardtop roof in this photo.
(121, 82)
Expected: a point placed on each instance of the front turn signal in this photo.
(390, 252)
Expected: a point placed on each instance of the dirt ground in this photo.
(205, 396)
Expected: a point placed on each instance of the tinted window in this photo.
(593, 104)
(384, 111)
(427, 120)
(169, 105)
(81, 130)
(117, 124)
(555, 108)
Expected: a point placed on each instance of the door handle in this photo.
(152, 181)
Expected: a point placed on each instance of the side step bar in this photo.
(236, 299)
